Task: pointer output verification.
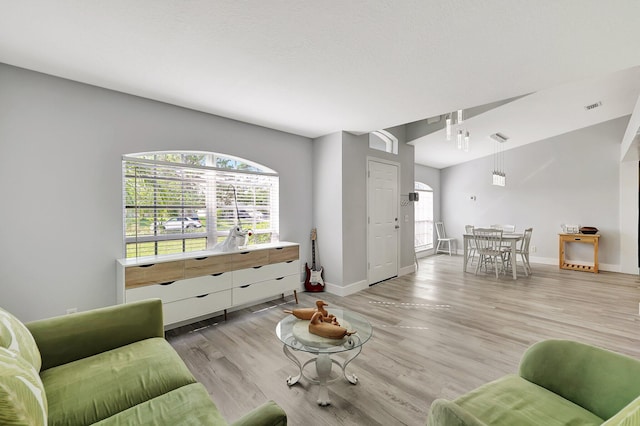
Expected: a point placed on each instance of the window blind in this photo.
(176, 207)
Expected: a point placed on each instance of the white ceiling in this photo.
(532, 118)
(317, 67)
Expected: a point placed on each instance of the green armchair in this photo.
(107, 366)
(560, 382)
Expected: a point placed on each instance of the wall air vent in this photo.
(499, 137)
(593, 106)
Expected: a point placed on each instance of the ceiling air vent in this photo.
(593, 106)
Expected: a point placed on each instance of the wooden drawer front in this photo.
(194, 307)
(200, 266)
(136, 276)
(261, 290)
(582, 238)
(290, 283)
(263, 273)
(283, 254)
(181, 289)
(249, 259)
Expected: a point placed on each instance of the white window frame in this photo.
(423, 235)
(385, 138)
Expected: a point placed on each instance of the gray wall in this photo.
(61, 144)
(354, 202)
(571, 178)
(340, 204)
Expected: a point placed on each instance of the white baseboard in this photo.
(407, 270)
(346, 290)
(554, 261)
(360, 285)
(424, 253)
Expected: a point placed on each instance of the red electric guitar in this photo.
(313, 281)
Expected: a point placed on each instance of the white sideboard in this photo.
(197, 284)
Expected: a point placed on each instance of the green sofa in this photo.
(108, 366)
(560, 382)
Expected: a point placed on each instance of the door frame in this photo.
(399, 239)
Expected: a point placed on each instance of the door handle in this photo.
(397, 226)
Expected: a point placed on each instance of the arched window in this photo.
(383, 140)
(423, 217)
(178, 202)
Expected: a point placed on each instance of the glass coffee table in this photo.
(294, 334)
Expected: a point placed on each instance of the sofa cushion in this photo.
(188, 405)
(15, 336)
(94, 388)
(22, 396)
(512, 400)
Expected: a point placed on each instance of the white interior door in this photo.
(383, 224)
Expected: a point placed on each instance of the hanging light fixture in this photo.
(499, 175)
(462, 135)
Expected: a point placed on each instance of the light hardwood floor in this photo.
(437, 333)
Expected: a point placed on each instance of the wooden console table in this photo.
(579, 238)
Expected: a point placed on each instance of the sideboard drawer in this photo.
(194, 307)
(263, 273)
(208, 265)
(256, 291)
(181, 289)
(283, 254)
(289, 283)
(249, 259)
(136, 276)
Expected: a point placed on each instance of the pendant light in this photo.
(498, 174)
(462, 135)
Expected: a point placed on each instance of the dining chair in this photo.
(471, 245)
(523, 251)
(488, 244)
(443, 239)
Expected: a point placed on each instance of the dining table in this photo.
(511, 238)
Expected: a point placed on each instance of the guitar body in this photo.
(314, 281)
(316, 277)
(313, 288)
(307, 279)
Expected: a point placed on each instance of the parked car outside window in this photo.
(179, 223)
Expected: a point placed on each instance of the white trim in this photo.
(425, 253)
(137, 157)
(554, 261)
(347, 290)
(407, 270)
